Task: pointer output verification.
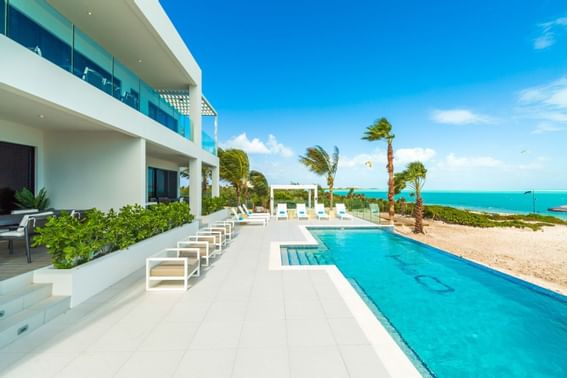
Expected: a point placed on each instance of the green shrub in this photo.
(212, 204)
(72, 242)
(25, 199)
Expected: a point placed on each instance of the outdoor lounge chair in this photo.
(184, 265)
(244, 219)
(24, 211)
(301, 211)
(250, 213)
(253, 215)
(281, 211)
(320, 211)
(340, 211)
(220, 241)
(25, 231)
(228, 226)
(225, 234)
(205, 245)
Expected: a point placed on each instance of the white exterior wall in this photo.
(94, 169)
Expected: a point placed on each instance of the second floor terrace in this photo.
(39, 27)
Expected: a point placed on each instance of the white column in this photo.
(195, 180)
(271, 200)
(195, 113)
(309, 198)
(215, 182)
(216, 132)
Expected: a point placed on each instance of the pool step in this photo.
(303, 256)
(25, 306)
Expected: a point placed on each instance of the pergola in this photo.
(306, 187)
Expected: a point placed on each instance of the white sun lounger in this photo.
(250, 213)
(340, 211)
(161, 267)
(244, 219)
(281, 211)
(301, 211)
(320, 211)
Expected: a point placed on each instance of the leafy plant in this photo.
(72, 242)
(25, 199)
(381, 129)
(321, 163)
(414, 177)
(212, 204)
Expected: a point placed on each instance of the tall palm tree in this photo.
(235, 169)
(382, 130)
(319, 162)
(414, 177)
(260, 189)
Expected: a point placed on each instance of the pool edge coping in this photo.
(394, 359)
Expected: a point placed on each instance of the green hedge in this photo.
(72, 242)
(212, 204)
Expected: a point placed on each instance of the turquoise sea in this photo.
(505, 202)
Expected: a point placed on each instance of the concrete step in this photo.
(22, 298)
(14, 283)
(31, 318)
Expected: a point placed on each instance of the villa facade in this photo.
(101, 103)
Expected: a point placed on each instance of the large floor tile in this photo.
(265, 310)
(309, 332)
(39, 365)
(227, 311)
(268, 333)
(363, 362)
(317, 362)
(310, 309)
(261, 363)
(217, 335)
(206, 363)
(95, 365)
(150, 365)
(170, 336)
(347, 332)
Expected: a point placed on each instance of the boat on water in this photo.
(559, 209)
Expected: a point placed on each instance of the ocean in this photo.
(502, 202)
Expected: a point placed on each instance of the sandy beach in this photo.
(536, 256)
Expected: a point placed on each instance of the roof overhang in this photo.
(140, 35)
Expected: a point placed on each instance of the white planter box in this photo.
(87, 280)
(215, 217)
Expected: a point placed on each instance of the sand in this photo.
(539, 257)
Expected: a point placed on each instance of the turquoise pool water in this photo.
(460, 319)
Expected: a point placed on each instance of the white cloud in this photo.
(277, 148)
(378, 158)
(459, 117)
(546, 103)
(453, 161)
(256, 146)
(407, 155)
(549, 31)
(543, 128)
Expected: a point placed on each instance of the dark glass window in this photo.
(27, 32)
(162, 117)
(17, 171)
(162, 184)
(94, 74)
(2, 17)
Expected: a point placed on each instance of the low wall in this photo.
(87, 280)
(215, 217)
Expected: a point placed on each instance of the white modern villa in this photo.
(101, 103)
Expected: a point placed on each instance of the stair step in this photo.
(31, 318)
(22, 298)
(14, 283)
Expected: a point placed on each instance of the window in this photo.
(162, 117)
(2, 17)
(17, 171)
(162, 184)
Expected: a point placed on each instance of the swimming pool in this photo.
(459, 318)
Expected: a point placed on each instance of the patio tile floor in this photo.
(239, 319)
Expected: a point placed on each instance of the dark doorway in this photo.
(17, 171)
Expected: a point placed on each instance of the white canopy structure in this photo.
(307, 187)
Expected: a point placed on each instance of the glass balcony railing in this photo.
(208, 143)
(39, 27)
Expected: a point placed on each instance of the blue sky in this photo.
(476, 90)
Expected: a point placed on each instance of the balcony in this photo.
(40, 28)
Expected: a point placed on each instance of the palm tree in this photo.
(260, 189)
(414, 177)
(235, 169)
(319, 162)
(382, 130)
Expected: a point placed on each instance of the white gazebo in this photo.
(308, 188)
